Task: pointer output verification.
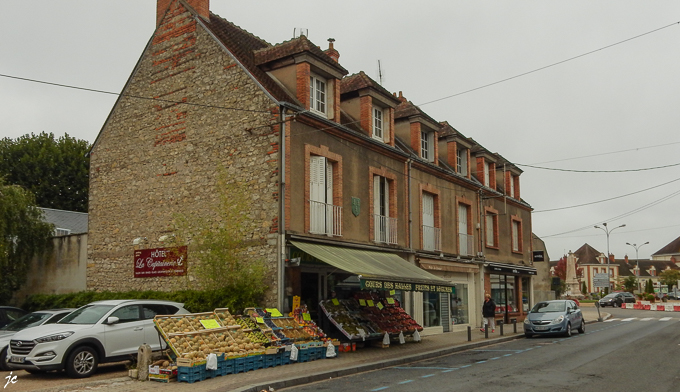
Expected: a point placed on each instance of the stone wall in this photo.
(61, 270)
(157, 159)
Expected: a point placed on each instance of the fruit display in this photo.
(246, 322)
(224, 317)
(285, 322)
(184, 324)
(257, 337)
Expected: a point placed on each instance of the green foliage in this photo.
(630, 283)
(650, 297)
(584, 288)
(56, 171)
(649, 287)
(670, 278)
(23, 234)
(193, 300)
(221, 252)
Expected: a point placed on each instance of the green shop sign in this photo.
(385, 285)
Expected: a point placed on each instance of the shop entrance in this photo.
(310, 293)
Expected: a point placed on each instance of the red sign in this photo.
(150, 263)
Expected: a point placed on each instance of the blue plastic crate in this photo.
(285, 357)
(191, 374)
(228, 367)
(270, 360)
(304, 355)
(212, 373)
(258, 362)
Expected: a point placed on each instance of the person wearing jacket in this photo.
(489, 313)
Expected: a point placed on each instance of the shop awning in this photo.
(377, 270)
(511, 268)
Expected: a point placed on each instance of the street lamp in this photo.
(637, 261)
(606, 230)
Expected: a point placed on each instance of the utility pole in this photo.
(609, 273)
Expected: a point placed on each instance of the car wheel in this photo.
(528, 335)
(582, 328)
(568, 332)
(82, 362)
(3, 359)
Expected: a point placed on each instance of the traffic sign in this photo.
(601, 280)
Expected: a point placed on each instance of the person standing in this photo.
(489, 313)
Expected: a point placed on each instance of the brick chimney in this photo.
(202, 8)
(331, 52)
(611, 258)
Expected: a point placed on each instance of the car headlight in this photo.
(526, 321)
(557, 320)
(54, 338)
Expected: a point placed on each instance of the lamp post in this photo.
(637, 260)
(606, 230)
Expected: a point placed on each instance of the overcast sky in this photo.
(614, 109)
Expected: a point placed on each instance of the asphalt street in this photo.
(632, 351)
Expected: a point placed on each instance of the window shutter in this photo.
(317, 188)
(489, 230)
(386, 200)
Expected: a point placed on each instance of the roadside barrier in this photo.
(646, 305)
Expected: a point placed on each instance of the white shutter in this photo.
(376, 209)
(386, 200)
(515, 236)
(488, 220)
(329, 198)
(428, 222)
(462, 229)
(317, 194)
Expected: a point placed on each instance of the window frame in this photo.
(491, 213)
(462, 163)
(314, 103)
(517, 239)
(376, 112)
(427, 145)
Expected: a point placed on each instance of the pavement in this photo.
(362, 360)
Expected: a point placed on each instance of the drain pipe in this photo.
(282, 211)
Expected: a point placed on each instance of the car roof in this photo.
(11, 307)
(116, 302)
(55, 310)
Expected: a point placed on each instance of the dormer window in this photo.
(462, 161)
(487, 173)
(378, 124)
(317, 94)
(512, 186)
(427, 146)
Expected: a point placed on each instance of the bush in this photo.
(194, 301)
(650, 297)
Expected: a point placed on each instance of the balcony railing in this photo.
(466, 244)
(385, 229)
(325, 219)
(432, 238)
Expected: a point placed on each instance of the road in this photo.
(633, 351)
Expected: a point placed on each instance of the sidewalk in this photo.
(365, 359)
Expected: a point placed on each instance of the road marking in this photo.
(629, 319)
(406, 382)
(422, 367)
(379, 389)
(450, 370)
(480, 362)
(507, 355)
(492, 359)
(646, 319)
(666, 319)
(610, 320)
(427, 375)
(465, 366)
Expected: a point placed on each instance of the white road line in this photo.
(629, 319)
(666, 319)
(610, 320)
(646, 319)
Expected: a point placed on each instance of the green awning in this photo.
(377, 270)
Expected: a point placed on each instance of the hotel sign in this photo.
(150, 263)
(387, 285)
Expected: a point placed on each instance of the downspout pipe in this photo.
(282, 211)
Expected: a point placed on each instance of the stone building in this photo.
(349, 186)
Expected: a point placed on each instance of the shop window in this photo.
(503, 293)
(459, 304)
(526, 301)
(431, 310)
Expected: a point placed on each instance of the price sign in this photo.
(390, 301)
(296, 301)
(274, 312)
(379, 306)
(260, 320)
(335, 301)
(392, 292)
(362, 302)
(370, 302)
(210, 324)
(306, 317)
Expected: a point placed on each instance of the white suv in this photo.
(103, 331)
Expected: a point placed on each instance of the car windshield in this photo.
(29, 320)
(609, 296)
(549, 307)
(88, 314)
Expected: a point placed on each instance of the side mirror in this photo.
(112, 320)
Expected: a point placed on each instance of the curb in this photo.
(370, 366)
(85, 385)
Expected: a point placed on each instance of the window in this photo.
(61, 232)
(317, 94)
(427, 146)
(487, 174)
(385, 227)
(462, 161)
(511, 192)
(491, 228)
(465, 239)
(151, 310)
(503, 293)
(459, 304)
(431, 234)
(431, 310)
(516, 236)
(378, 124)
(324, 216)
(526, 302)
(127, 314)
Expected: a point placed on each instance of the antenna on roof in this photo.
(380, 74)
(302, 31)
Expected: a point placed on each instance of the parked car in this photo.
(616, 299)
(34, 319)
(9, 314)
(554, 317)
(103, 331)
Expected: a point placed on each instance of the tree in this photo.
(584, 288)
(670, 278)
(561, 269)
(649, 287)
(23, 234)
(629, 283)
(56, 171)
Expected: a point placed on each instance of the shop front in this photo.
(510, 287)
(456, 310)
(362, 279)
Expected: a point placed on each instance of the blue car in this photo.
(559, 317)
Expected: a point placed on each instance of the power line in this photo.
(603, 200)
(548, 66)
(607, 153)
(131, 96)
(597, 171)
